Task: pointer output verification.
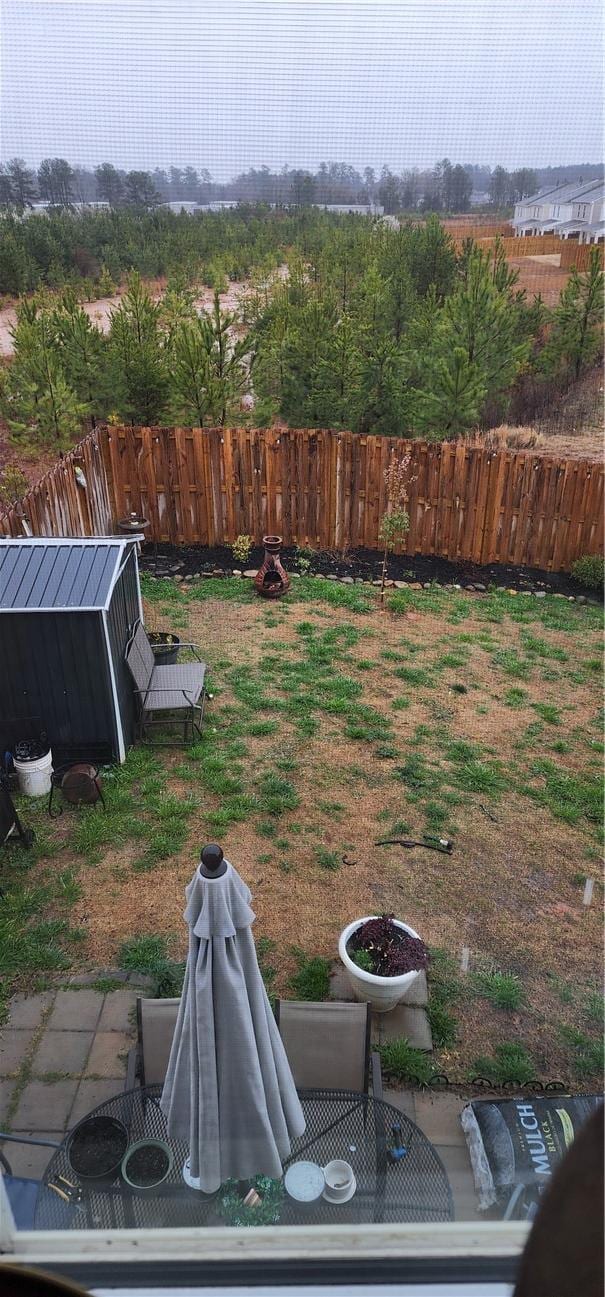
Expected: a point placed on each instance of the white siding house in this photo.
(570, 210)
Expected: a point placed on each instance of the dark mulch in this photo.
(187, 560)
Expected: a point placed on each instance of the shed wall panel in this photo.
(54, 676)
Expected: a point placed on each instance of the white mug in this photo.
(339, 1179)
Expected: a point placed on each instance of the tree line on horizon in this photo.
(373, 329)
(446, 187)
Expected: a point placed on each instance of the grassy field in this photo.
(333, 725)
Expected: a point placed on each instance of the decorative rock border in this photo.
(472, 587)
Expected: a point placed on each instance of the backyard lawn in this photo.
(334, 724)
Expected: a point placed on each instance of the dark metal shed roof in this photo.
(64, 575)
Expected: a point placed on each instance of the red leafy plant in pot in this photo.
(391, 949)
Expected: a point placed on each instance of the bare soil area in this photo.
(541, 275)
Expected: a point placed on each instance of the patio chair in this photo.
(148, 1060)
(328, 1045)
(165, 693)
(22, 1191)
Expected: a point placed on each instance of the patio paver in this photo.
(76, 1010)
(457, 1163)
(27, 1010)
(117, 1010)
(104, 1060)
(405, 1100)
(6, 1092)
(62, 1051)
(439, 1117)
(14, 1046)
(89, 1095)
(409, 1021)
(44, 1106)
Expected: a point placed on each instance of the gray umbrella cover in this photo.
(229, 1091)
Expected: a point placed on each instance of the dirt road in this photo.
(100, 311)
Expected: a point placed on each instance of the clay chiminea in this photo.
(272, 580)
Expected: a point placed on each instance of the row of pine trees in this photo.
(368, 328)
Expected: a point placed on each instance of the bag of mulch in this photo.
(515, 1144)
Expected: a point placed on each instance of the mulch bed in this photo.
(364, 564)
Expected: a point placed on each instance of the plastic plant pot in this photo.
(146, 1165)
(96, 1149)
(383, 993)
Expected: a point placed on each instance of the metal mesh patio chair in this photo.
(166, 694)
(22, 1191)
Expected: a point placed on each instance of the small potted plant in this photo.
(146, 1165)
(165, 646)
(383, 958)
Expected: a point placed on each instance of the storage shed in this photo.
(67, 610)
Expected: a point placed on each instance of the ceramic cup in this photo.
(340, 1181)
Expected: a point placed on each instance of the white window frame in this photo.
(483, 1240)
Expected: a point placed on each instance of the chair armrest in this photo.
(196, 648)
(27, 1139)
(376, 1075)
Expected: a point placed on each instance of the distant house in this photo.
(181, 206)
(359, 209)
(219, 205)
(569, 210)
(479, 199)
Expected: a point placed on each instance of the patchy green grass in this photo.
(475, 719)
(311, 981)
(400, 1061)
(510, 1063)
(505, 990)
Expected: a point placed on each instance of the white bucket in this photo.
(35, 776)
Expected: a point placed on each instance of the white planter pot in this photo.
(383, 993)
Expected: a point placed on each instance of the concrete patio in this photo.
(64, 1051)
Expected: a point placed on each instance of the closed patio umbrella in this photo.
(229, 1090)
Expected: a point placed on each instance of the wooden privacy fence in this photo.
(320, 488)
(327, 490)
(571, 252)
(578, 254)
(73, 499)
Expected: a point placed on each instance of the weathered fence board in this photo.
(59, 505)
(323, 489)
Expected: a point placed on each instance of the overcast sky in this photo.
(230, 84)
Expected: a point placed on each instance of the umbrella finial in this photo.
(212, 860)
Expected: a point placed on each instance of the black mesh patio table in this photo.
(339, 1124)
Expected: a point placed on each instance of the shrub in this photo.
(13, 484)
(241, 548)
(590, 570)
